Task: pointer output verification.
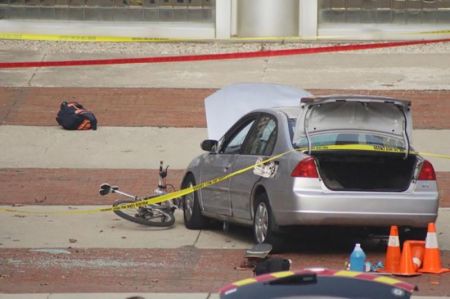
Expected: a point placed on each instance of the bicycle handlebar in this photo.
(107, 188)
(163, 172)
(124, 193)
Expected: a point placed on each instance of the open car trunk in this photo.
(365, 171)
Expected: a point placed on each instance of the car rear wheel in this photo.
(193, 218)
(264, 224)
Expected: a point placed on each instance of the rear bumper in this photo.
(353, 219)
(316, 206)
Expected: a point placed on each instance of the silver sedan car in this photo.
(311, 184)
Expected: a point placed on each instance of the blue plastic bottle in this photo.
(357, 259)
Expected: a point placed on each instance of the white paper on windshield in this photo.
(227, 105)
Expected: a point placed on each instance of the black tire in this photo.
(264, 224)
(193, 218)
(142, 216)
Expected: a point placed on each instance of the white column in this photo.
(223, 19)
(234, 14)
(308, 19)
(259, 18)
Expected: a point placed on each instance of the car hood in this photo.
(349, 113)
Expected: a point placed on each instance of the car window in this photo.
(292, 122)
(233, 146)
(263, 137)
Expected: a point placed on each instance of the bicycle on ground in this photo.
(160, 214)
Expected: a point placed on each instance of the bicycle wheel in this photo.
(143, 215)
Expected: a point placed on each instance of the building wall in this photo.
(224, 19)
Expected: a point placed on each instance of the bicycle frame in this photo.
(165, 208)
(134, 197)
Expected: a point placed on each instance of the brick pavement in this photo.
(80, 186)
(65, 186)
(187, 269)
(175, 107)
(147, 107)
(157, 107)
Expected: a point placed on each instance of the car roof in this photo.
(290, 111)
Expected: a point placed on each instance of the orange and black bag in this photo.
(73, 116)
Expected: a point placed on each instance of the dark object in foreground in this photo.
(73, 116)
(272, 264)
(318, 283)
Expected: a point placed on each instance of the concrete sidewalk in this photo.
(137, 147)
(45, 228)
(412, 67)
(49, 227)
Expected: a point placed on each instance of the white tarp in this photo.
(227, 105)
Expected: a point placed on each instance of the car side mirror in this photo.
(209, 145)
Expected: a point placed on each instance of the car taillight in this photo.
(427, 172)
(306, 168)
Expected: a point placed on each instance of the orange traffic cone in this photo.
(392, 261)
(417, 252)
(432, 255)
(407, 267)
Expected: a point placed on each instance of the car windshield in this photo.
(342, 138)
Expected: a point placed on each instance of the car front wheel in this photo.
(193, 218)
(264, 224)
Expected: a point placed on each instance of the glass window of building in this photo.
(384, 11)
(111, 10)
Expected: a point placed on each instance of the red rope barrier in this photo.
(220, 56)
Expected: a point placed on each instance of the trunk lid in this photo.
(337, 120)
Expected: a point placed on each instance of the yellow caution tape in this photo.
(441, 156)
(126, 39)
(180, 193)
(434, 32)
(86, 38)
(358, 147)
(371, 148)
(154, 200)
